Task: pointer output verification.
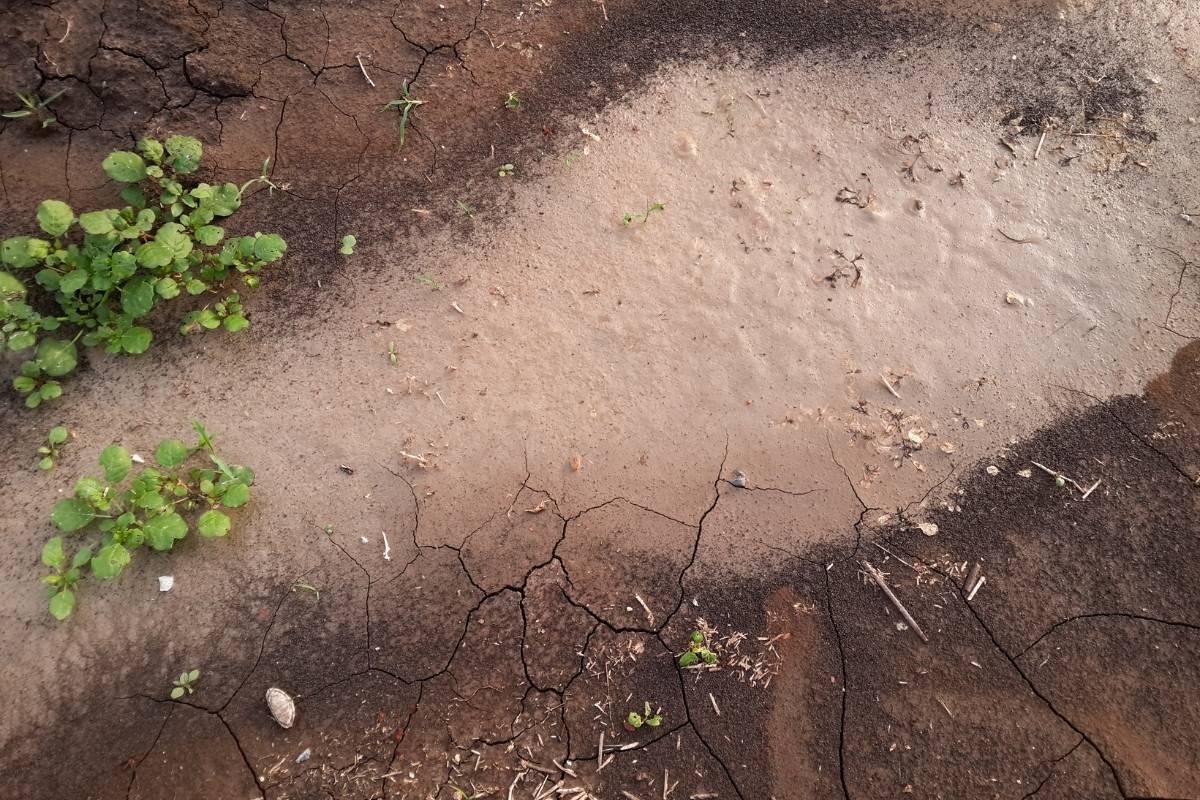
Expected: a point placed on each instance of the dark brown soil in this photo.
(466, 665)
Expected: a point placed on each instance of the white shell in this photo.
(282, 707)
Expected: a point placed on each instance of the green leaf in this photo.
(136, 340)
(21, 340)
(177, 693)
(115, 462)
(33, 401)
(171, 453)
(150, 148)
(269, 247)
(134, 196)
(110, 560)
(56, 357)
(97, 222)
(17, 252)
(235, 322)
(236, 495)
(210, 234)
(46, 464)
(137, 298)
(185, 152)
(213, 524)
(688, 659)
(51, 390)
(348, 243)
(124, 166)
(71, 514)
(10, 287)
(174, 237)
(73, 281)
(62, 604)
(55, 217)
(24, 384)
(154, 254)
(53, 554)
(193, 676)
(167, 288)
(151, 500)
(82, 557)
(163, 530)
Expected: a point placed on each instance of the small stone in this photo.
(282, 707)
(1025, 473)
(305, 756)
(1014, 299)
(739, 479)
(993, 470)
(916, 437)
(947, 447)
(928, 528)
(166, 583)
(576, 462)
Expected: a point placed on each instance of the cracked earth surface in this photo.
(576, 511)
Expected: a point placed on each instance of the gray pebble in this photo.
(739, 479)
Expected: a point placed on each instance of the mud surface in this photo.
(852, 190)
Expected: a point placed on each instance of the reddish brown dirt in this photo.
(454, 664)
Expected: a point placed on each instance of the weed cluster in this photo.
(102, 271)
(146, 511)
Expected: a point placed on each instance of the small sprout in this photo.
(308, 588)
(629, 217)
(697, 652)
(58, 434)
(185, 684)
(433, 285)
(328, 530)
(32, 105)
(512, 101)
(404, 105)
(349, 241)
(647, 717)
(393, 356)
(506, 170)
(1060, 481)
(467, 210)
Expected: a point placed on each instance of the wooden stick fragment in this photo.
(877, 576)
(971, 596)
(364, 71)
(889, 386)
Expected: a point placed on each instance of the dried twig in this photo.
(877, 576)
(889, 386)
(971, 596)
(364, 71)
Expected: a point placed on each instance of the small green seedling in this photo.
(461, 794)
(185, 684)
(629, 217)
(393, 355)
(348, 244)
(506, 170)
(433, 285)
(129, 511)
(512, 101)
(58, 434)
(34, 106)
(467, 210)
(404, 105)
(648, 717)
(308, 588)
(697, 652)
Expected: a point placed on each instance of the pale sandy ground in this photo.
(649, 349)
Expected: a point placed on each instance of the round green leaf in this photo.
(50, 390)
(269, 247)
(55, 217)
(213, 524)
(62, 604)
(175, 238)
(137, 298)
(24, 384)
(150, 148)
(124, 166)
(115, 462)
(58, 434)
(53, 554)
(171, 453)
(236, 495)
(163, 530)
(185, 152)
(167, 288)
(209, 234)
(10, 287)
(109, 561)
(21, 340)
(56, 357)
(136, 340)
(155, 254)
(97, 222)
(73, 281)
(71, 514)
(235, 322)
(348, 244)
(17, 252)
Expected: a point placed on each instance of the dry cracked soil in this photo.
(516, 449)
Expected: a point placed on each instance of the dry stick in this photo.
(629, 796)
(898, 558)
(971, 596)
(364, 71)
(600, 753)
(1057, 474)
(1041, 141)
(972, 576)
(877, 576)
(889, 386)
(1091, 489)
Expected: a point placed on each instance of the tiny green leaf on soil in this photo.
(348, 244)
(115, 516)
